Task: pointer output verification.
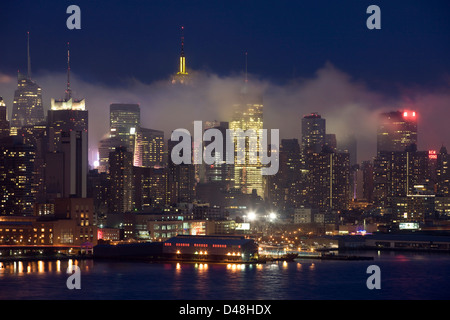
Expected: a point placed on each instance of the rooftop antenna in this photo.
(68, 90)
(182, 41)
(182, 69)
(28, 55)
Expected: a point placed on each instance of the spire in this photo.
(182, 58)
(28, 55)
(182, 41)
(68, 90)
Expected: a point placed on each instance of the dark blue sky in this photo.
(284, 39)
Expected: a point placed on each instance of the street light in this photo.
(272, 216)
(251, 216)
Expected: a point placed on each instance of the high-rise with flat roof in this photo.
(16, 176)
(397, 130)
(313, 133)
(4, 123)
(124, 122)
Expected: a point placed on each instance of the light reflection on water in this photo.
(404, 276)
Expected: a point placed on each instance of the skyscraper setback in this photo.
(27, 104)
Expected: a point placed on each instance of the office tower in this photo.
(182, 76)
(37, 136)
(330, 141)
(121, 180)
(287, 188)
(180, 179)
(16, 176)
(313, 133)
(396, 130)
(367, 171)
(27, 104)
(150, 185)
(443, 173)
(248, 115)
(105, 147)
(349, 145)
(67, 168)
(124, 122)
(98, 189)
(328, 187)
(149, 148)
(4, 123)
(219, 173)
(67, 114)
(397, 173)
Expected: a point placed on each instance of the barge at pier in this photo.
(228, 249)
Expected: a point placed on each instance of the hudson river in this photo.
(403, 276)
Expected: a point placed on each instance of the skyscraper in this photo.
(124, 122)
(313, 133)
(443, 173)
(16, 176)
(27, 104)
(67, 168)
(219, 173)
(182, 76)
(149, 148)
(67, 114)
(248, 115)
(180, 179)
(329, 185)
(396, 130)
(287, 188)
(121, 180)
(397, 173)
(4, 123)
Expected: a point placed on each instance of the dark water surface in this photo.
(403, 276)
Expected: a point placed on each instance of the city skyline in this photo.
(349, 94)
(237, 149)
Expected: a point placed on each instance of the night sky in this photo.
(407, 60)
(284, 39)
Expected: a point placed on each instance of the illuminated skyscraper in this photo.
(396, 173)
(182, 76)
(67, 114)
(124, 122)
(443, 173)
(287, 188)
(121, 181)
(4, 123)
(27, 104)
(396, 130)
(313, 133)
(149, 148)
(16, 177)
(329, 185)
(248, 115)
(180, 179)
